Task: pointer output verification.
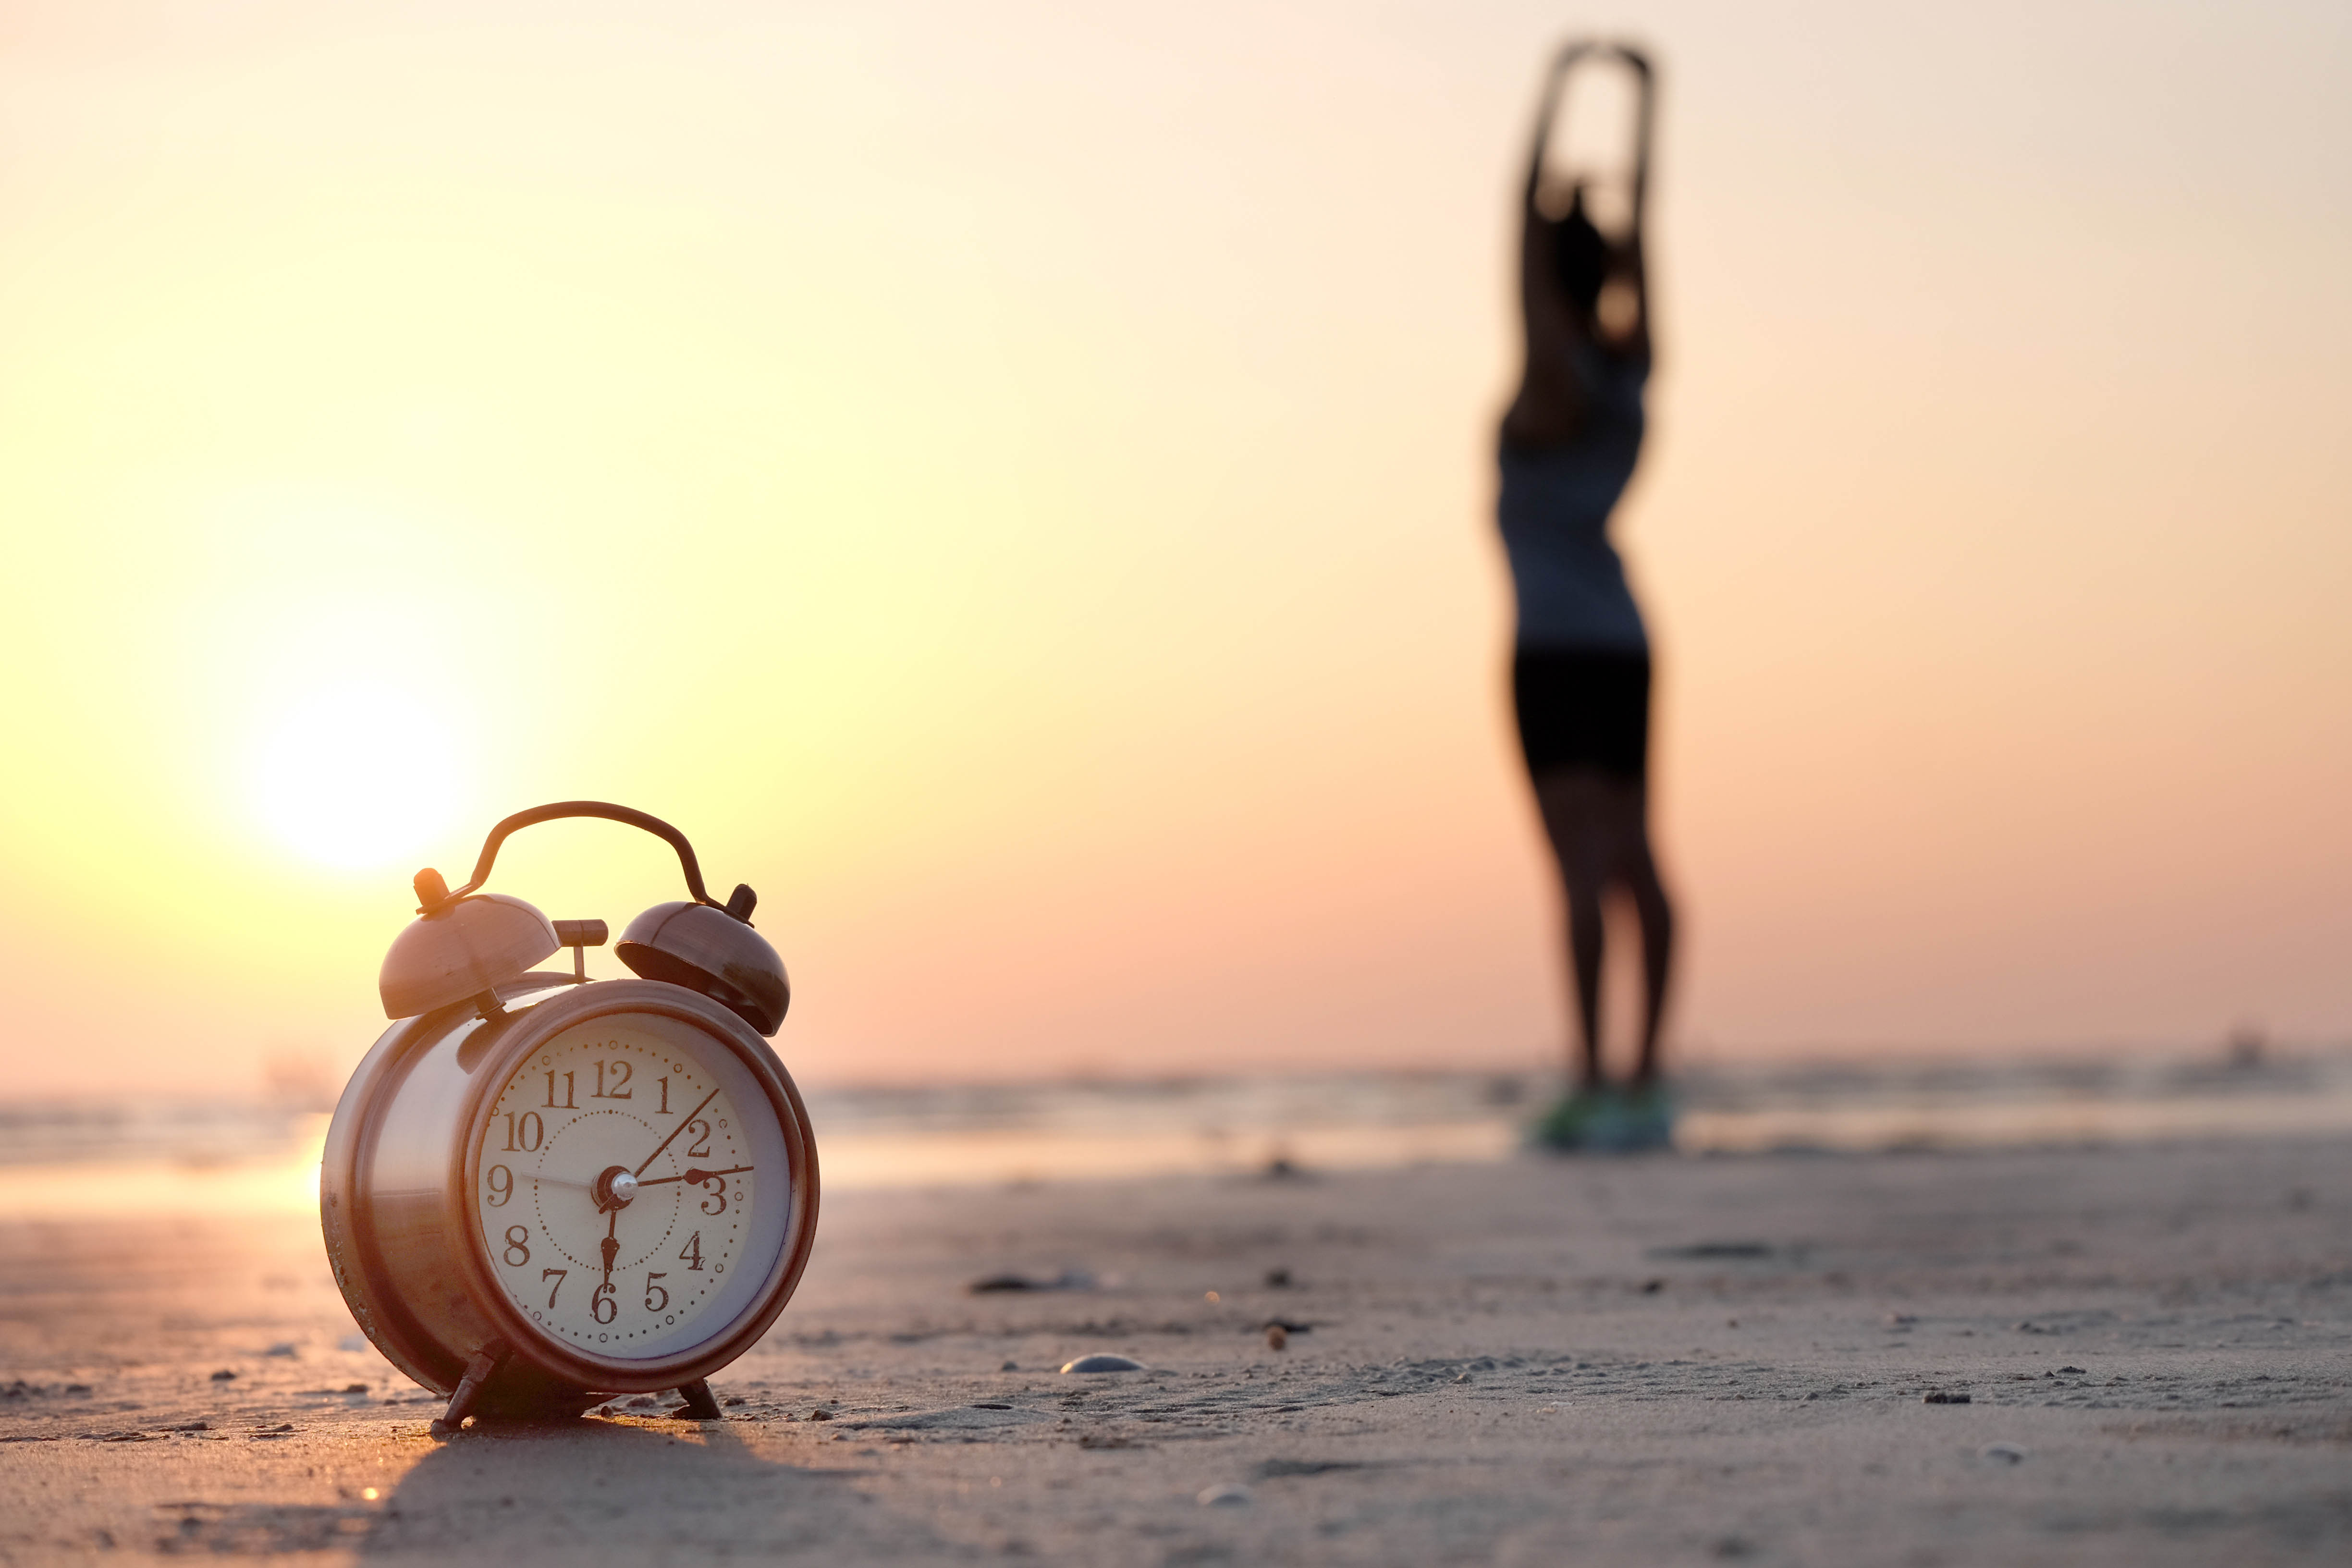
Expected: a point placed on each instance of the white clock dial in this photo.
(625, 1176)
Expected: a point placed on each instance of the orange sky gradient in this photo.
(1012, 484)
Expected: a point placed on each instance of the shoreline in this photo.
(68, 1160)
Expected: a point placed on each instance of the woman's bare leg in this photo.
(1599, 827)
(1576, 809)
(1586, 935)
(1656, 913)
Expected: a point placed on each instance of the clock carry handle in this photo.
(433, 893)
(1555, 89)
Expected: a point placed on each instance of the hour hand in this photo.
(695, 1176)
(611, 1244)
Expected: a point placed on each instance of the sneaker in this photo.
(1571, 1123)
(1608, 1121)
(1645, 1118)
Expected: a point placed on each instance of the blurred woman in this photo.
(1581, 667)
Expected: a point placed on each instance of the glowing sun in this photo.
(355, 774)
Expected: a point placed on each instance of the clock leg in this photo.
(701, 1404)
(479, 1371)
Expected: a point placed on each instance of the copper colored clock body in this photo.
(540, 1192)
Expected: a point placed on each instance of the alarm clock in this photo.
(541, 1190)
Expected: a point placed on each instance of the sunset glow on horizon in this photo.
(1015, 487)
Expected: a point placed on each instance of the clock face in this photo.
(631, 1182)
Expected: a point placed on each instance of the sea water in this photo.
(67, 1159)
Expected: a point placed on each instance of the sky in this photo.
(1014, 485)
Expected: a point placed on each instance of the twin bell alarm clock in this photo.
(540, 1189)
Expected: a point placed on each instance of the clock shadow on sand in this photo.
(606, 1489)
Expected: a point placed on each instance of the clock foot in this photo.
(701, 1404)
(479, 1371)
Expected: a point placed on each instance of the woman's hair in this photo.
(1579, 255)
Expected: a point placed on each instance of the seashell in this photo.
(1099, 1362)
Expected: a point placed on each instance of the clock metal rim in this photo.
(529, 1341)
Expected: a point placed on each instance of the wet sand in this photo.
(1635, 1362)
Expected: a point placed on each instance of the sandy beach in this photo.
(2128, 1355)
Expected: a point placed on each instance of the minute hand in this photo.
(693, 1177)
(674, 1132)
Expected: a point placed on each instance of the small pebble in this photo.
(2008, 1453)
(1233, 1494)
(732, 1399)
(84, 1388)
(644, 1402)
(1010, 1366)
(2072, 1368)
(1278, 1279)
(222, 1375)
(1940, 1398)
(820, 1414)
(1099, 1363)
(355, 1388)
(1277, 1336)
(1651, 1287)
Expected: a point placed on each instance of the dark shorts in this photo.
(1583, 708)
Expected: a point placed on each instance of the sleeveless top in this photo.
(1554, 513)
